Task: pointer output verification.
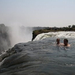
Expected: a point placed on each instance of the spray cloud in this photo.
(19, 34)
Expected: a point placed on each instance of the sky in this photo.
(51, 13)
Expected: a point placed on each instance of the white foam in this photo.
(63, 34)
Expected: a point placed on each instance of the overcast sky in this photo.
(37, 12)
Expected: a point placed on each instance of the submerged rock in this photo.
(7, 54)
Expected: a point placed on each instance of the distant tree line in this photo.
(69, 28)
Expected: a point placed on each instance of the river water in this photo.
(39, 57)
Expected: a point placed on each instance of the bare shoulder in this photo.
(61, 44)
(68, 45)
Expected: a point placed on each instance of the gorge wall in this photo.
(4, 38)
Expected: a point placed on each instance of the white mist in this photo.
(19, 34)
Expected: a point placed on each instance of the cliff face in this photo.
(39, 30)
(36, 32)
(4, 38)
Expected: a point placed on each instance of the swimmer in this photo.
(58, 42)
(66, 43)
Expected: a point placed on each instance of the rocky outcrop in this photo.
(4, 38)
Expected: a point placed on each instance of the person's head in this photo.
(58, 40)
(65, 42)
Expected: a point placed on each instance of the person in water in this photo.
(66, 43)
(57, 41)
(62, 44)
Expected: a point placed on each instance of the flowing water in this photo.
(40, 57)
